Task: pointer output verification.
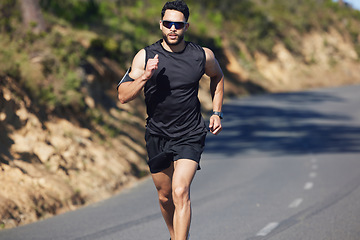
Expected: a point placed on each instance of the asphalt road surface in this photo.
(285, 167)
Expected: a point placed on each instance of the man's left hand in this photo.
(215, 125)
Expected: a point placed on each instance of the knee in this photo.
(165, 198)
(181, 194)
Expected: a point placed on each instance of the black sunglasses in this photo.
(178, 25)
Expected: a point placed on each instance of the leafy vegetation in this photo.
(52, 65)
(262, 23)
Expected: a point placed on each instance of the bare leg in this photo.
(173, 186)
(163, 183)
(184, 172)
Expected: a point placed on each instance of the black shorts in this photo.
(163, 151)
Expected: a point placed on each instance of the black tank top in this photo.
(171, 95)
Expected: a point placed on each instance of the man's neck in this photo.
(174, 48)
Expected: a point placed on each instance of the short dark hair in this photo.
(177, 5)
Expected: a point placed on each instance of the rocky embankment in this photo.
(53, 165)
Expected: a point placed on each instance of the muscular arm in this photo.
(213, 70)
(127, 91)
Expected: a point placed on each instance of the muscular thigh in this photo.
(163, 180)
(184, 172)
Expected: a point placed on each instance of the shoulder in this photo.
(139, 59)
(212, 67)
(210, 56)
(140, 53)
(154, 46)
(194, 47)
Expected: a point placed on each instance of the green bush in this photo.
(9, 11)
(75, 11)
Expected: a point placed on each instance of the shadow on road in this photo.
(287, 123)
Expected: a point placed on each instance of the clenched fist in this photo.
(151, 66)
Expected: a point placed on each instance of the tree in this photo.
(7, 15)
(32, 16)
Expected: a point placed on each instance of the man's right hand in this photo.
(127, 91)
(151, 66)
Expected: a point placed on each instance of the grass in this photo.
(118, 29)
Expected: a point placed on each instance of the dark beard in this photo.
(179, 40)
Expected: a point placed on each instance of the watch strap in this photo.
(220, 114)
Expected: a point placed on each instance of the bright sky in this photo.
(354, 3)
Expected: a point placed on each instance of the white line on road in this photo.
(313, 175)
(314, 167)
(267, 229)
(296, 203)
(308, 186)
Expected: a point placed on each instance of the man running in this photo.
(169, 71)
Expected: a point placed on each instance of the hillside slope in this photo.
(66, 141)
(54, 165)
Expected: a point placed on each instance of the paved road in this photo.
(286, 166)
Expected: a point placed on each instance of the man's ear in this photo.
(160, 24)
(187, 27)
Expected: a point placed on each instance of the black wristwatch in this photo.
(220, 114)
